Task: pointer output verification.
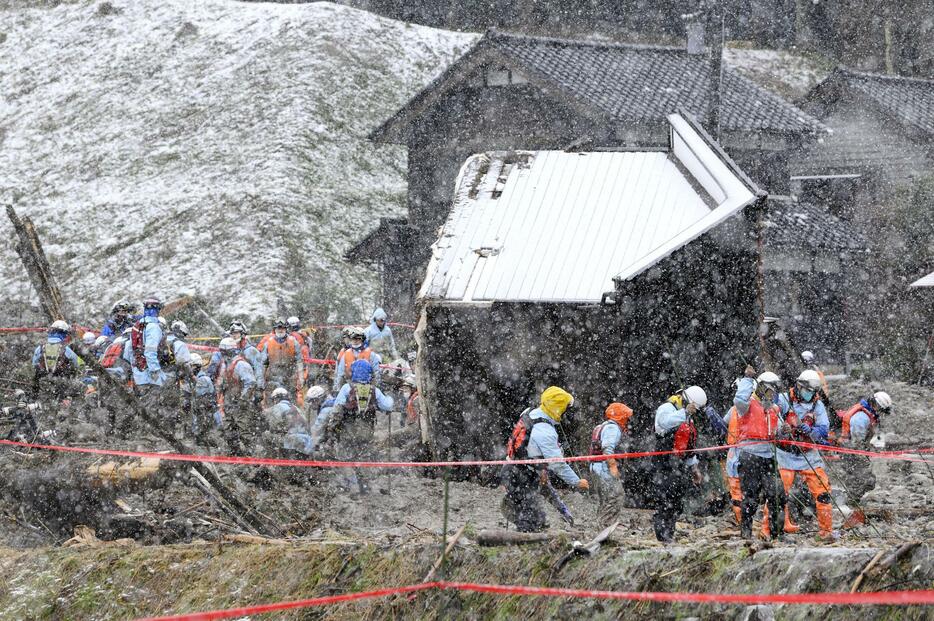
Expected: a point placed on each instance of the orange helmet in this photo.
(619, 413)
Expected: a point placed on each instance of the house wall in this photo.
(691, 320)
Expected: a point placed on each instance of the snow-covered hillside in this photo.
(209, 147)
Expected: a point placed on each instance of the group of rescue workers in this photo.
(775, 437)
(265, 399)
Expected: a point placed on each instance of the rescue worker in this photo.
(287, 434)
(147, 353)
(410, 397)
(239, 333)
(534, 437)
(859, 424)
(810, 362)
(674, 473)
(357, 351)
(801, 408)
(120, 320)
(379, 336)
(282, 355)
(303, 338)
(203, 403)
(179, 367)
(732, 464)
(113, 359)
(318, 407)
(234, 385)
(353, 417)
(759, 427)
(88, 339)
(610, 437)
(101, 343)
(55, 365)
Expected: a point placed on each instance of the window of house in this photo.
(503, 76)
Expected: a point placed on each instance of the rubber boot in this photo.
(738, 513)
(765, 532)
(825, 522)
(790, 527)
(857, 518)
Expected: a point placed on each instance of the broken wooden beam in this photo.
(500, 537)
(30, 252)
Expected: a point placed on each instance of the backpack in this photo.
(518, 446)
(112, 354)
(596, 445)
(53, 360)
(137, 341)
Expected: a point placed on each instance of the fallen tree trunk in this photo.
(499, 537)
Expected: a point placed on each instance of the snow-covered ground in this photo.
(209, 147)
(783, 72)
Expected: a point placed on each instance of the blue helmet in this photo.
(361, 372)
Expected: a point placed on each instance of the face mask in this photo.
(280, 334)
(807, 395)
(356, 344)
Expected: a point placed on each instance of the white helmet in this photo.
(279, 394)
(101, 341)
(294, 323)
(695, 395)
(769, 380)
(196, 360)
(179, 328)
(89, 338)
(315, 392)
(59, 326)
(410, 380)
(882, 399)
(227, 345)
(809, 378)
(808, 356)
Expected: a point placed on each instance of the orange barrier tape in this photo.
(878, 598)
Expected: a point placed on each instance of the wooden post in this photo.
(37, 266)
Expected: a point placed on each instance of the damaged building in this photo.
(617, 274)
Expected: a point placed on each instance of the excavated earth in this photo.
(84, 543)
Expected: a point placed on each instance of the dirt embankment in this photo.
(115, 582)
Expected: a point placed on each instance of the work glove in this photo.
(583, 485)
(805, 429)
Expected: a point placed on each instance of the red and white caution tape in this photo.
(878, 598)
(311, 463)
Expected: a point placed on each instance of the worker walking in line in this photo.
(859, 424)
(801, 408)
(304, 339)
(353, 418)
(283, 359)
(759, 427)
(147, 352)
(56, 366)
(673, 474)
(358, 350)
(534, 437)
(379, 336)
(234, 385)
(610, 437)
(810, 362)
(732, 464)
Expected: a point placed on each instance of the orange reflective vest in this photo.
(281, 354)
(302, 339)
(845, 420)
(732, 430)
(758, 424)
(350, 356)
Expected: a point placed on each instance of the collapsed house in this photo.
(619, 275)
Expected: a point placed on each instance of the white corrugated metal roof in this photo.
(926, 281)
(553, 226)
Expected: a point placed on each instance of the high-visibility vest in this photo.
(845, 420)
(758, 424)
(350, 356)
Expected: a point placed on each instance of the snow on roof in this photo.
(554, 226)
(211, 147)
(926, 281)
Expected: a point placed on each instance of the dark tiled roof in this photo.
(641, 83)
(804, 225)
(910, 100)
